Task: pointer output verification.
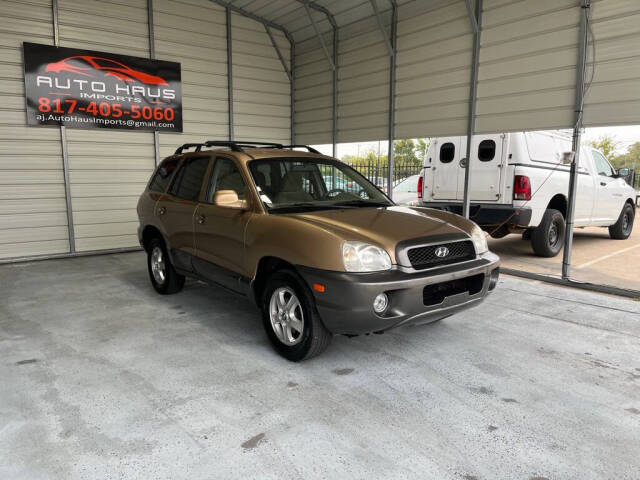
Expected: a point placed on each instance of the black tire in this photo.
(314, 338)
(173, 282)
(547, 239)
(623, 227)
(526, 235)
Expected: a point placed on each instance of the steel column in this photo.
(152, 55)
(392, 97)
(292, 90)
(334, 95)
(583, 39)
(63, 145)
(229, 72)
(473, 94)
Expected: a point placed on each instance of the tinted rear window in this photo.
(447, 152)
(188, 181)
(163, 175)
(486, 150)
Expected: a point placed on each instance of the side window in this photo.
(447, 152)
(226, 176)
(602, 166)
(189, 178)
(486, 150)
(163, 175)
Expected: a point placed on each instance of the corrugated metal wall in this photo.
(261, 89)
(433, 72)
(33, 218)
(528, 59)
(614, 96)
(108, 169)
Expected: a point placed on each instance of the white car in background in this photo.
(406, 192)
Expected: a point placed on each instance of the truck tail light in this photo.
(420, 180)
(521, 188)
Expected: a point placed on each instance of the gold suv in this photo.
(317, 246)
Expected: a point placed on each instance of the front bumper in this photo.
(346, 305)
(488, 215)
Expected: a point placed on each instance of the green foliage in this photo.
(629, 159)
(606, 144)
(406, 152)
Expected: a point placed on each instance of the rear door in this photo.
(175, 209)
(486, 168)
(445, 168)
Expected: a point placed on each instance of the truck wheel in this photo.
(547, 239)
(290, 318)
(622, 228)
(163, 275)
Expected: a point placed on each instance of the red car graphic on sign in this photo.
(85, 64)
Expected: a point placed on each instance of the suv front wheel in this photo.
(290, 318)
(163, 275)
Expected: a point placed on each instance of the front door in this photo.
(608, 202)
(219, 231)
(176, 208)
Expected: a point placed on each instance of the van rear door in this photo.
(486, 168)
(445, 168)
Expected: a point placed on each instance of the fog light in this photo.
(380, 303)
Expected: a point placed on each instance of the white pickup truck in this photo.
(519, 184)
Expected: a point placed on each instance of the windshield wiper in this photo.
(362, 203)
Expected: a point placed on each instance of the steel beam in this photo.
(152, 55)
(230, 72)
(318, 34)
(472, 16)
(253, 16)
(473, 95)
(63, 144)
(583, 40)
(392, 97)
(277, 48)
(378, 16)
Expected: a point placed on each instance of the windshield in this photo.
(291, 184)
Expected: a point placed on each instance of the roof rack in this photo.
(238, 146)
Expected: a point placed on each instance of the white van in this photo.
(519, 184)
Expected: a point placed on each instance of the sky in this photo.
(625, 135)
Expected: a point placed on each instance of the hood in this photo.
(384, 226)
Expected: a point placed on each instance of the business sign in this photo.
(86, 89)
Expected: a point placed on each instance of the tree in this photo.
(629, 159)
(606, 144)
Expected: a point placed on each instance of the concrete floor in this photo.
(102, 378)
(595, 258)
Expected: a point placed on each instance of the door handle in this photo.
(162, 211)
(603, 184)
(200, 219)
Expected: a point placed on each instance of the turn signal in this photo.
(318, 287)
(420, 180)
(521, 188)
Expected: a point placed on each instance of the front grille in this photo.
(425, 257)
(436, 293)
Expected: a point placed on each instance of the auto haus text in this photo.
(101, 91)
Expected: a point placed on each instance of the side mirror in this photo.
(567, 157)
(228, 199)
(624, 172)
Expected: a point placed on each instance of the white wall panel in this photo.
(433, 72)
(261, 88)
(32, 199)
(528, 57)
(614, 96)
(123, 29)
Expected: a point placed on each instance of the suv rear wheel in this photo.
(290, 318)
(623, 227)
(547, 239)
(163, 275)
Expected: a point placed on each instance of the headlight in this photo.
(479, 239)
(364, 257)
